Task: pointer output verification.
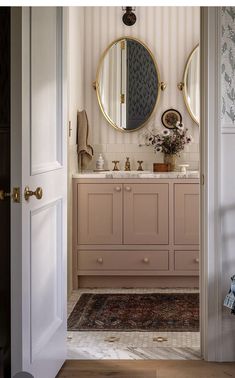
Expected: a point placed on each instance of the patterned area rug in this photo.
(136, 312)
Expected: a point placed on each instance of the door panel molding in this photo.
(54, 214)
(56, 161)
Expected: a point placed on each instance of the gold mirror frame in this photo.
(182, 85)
(96, 84)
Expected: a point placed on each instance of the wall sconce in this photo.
(129, 18)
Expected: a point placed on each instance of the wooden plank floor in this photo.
(146, 369)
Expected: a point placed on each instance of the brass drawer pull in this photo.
(118, 189)
(128, 188)
(196, 260)
(100, 260)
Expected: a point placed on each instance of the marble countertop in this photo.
(136, 175)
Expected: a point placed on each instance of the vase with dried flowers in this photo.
(169, 142)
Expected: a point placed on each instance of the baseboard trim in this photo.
(138, 282)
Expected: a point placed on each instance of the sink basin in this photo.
(126, 174)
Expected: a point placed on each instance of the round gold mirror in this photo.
(191, 84)
(127, 84)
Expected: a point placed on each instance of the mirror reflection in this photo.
(127, 84)
(192, 84)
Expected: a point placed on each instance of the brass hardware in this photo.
(128, 188)
(37, 193)
(122, 43)
(115, 162)
(100, 260)
(70, 128)
(140, 168)
(202, 179)
(197, 260)
(122, 98)
(127, 164)
(180, 86)
(4, 195)
(163, 85)
(146, 260)
(94, 85)
(15, 195)
(118, 189)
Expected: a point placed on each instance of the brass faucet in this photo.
(127, 164)
(140, 168)
(115, 168)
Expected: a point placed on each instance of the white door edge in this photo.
(210, 155)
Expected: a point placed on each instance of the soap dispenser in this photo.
(100, 163)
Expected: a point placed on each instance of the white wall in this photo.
(170, 33)
(76, 101)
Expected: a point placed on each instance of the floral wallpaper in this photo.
(228, 66)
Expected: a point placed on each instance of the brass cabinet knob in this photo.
(100, 260)
(146, 260)
(118, 189)
(128, 188)
(196, 260)
(37, 193)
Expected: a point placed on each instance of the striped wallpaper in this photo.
(171, 33)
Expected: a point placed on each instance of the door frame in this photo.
(211, 259)
(210, 194)
(210, 170)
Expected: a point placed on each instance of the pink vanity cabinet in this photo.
(135, 232)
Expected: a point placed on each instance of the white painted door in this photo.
(38, 160)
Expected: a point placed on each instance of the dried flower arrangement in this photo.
(170, 142)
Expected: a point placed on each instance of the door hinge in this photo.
(70, 128)
(122, 98)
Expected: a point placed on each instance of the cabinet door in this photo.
(186, 213)
(99, 214)
(146, 213)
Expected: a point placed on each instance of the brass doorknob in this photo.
(15, 195)
(37, 193)
(4, 195)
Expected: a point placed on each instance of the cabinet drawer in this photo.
(123, 260)
(186, 260)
